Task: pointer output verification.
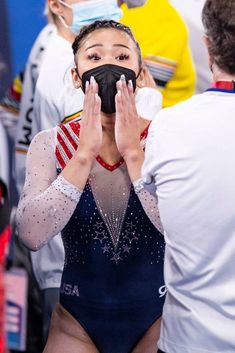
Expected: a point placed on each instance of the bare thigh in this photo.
(148, 343)
(66, 335)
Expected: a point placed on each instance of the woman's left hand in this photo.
(127, 132)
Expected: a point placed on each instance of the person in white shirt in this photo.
(191, 11)
(190, 168)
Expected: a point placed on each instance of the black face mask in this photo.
(107, 76)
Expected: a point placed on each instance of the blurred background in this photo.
(15, 21)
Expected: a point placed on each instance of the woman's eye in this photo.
(93, 57)
(123, 57)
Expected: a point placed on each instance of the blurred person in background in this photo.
(163, 39)
(191, 11)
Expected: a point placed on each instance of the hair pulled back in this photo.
(218, 17)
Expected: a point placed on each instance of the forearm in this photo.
(149, 204)
(41, 217)
(78, 169)
(134, 160)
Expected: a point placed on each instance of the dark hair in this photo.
(86, 30)
(218, 17)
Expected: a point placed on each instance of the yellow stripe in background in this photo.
(21, 150)
(17, 84)
(72, 117)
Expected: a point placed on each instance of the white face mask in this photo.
(86, 12)
(134, 3)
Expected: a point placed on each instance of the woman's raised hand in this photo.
(127, 132)
(91, 128)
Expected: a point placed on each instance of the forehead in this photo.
(108, 37)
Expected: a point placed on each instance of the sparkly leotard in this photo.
(112, 281)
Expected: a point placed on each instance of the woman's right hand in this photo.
(78, 168)
(91, 128)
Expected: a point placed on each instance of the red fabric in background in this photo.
(4, 240)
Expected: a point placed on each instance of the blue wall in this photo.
(25, 20)
(5, 54)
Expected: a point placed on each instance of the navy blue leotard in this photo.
(115, 294)
(112, 282)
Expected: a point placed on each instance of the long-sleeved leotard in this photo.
(113, 254)
(48, 201)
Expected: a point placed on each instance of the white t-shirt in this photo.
(56, 100)
(191, 11)
(190, 166)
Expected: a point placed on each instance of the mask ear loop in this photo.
(76, 85)
(63, 21)
(60, 17)
(76, 69)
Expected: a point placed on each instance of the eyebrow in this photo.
(121, 45)
(94, 45)
(101, 45)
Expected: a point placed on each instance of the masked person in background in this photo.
(112, 289)
(163, 40)
(56, 100)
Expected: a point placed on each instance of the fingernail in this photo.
(92, 79)
(87, 85)
(123, 78)
(130, 84)
(119, 93)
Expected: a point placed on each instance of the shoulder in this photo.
(178, 115)
(57, 64)
(58, 52)
(41, 43)
(45, 138)
(70, 131)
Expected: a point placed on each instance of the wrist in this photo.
(134, 161)
(83, 157)
(134, 156)
(78, 169)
